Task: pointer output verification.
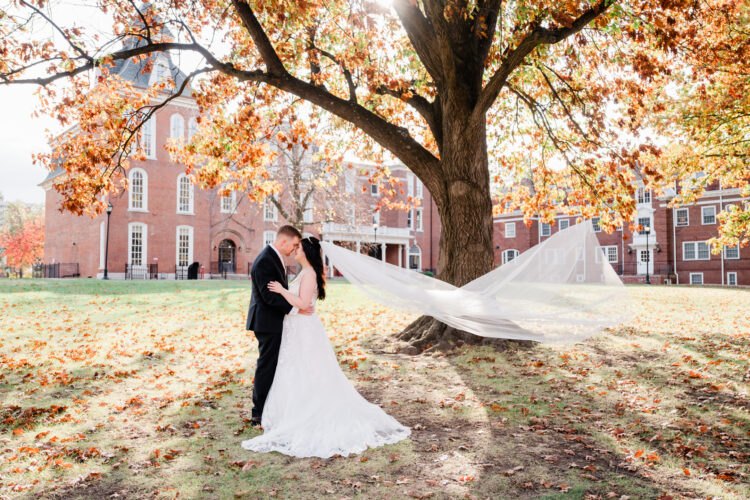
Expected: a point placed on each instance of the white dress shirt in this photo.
(294, 309)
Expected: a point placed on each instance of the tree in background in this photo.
(556, 87)
(23, 245)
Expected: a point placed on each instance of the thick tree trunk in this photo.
(466, 247)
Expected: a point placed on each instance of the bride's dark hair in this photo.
(314, 255)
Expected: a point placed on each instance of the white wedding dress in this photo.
(312, 410)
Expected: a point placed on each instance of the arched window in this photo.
(415, 257)
(184, 246)
(192, 127)
(509, 255)
(184, 195)
(177, 126)
(138, 194)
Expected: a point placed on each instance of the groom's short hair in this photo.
(289, 231)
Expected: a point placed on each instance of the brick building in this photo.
(673, 251)
(163, 223)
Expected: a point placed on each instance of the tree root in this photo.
(427, 334)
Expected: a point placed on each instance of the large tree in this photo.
(557, 88)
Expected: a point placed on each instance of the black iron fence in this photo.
(60, 270)
(632, 269)
(180, 272)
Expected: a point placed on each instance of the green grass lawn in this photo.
(143, 390)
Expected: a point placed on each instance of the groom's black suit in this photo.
(265, 317)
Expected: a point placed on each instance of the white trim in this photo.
(597, 227)
(410, 185)
(506, 253)
(567, 224)
(418, 219)
(192, 127)
(512, 232)
(695, 250)
(542, 225)
(173, 124)
(703, 215)
(151, 124)
(687, 217)
(732, 273)
(191, 195)
(695, 274)
(190, 244)
(144, 174)
(410, 218)
(268, 238)
(420, 188)
(734, 247)
(266, 205)
(144, 254)
(409, 254)
(102, 242)
(605, 252)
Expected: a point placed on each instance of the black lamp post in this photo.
(106, 248)
(647, 230)
(375, 229)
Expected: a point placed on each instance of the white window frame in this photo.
(542, 232)
(191, 209)
(190, 245)
(736, 248)
(410, 185)
(510, 229)
(409, 255)
(410, 218)
(148, 138)
(703, 215)
(102, 243)
(560, 224)
(643, 195)
(177, 124)
(677, 217)
(144, 244)
(734, 274)
(606, 251)
(650, 225)
(595, 223)
(507, 252)
(143, 208)
(695, 274)
(420, 188)
(268, 238)
(192, 127)
(268, 204)
(375, 216)
(695, 246)
(418, 219)
(308, 214)
(374, 189)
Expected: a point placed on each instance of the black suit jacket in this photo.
(267, 309)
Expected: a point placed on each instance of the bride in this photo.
(312, 410)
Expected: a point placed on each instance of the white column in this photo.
(400, 259)
(383, 251)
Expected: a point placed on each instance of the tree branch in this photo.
(515, 57)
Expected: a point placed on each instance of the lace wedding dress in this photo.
(312, 410)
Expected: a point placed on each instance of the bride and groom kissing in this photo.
(301, 397)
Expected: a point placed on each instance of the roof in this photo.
(132, 71)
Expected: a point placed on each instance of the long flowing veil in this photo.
(561, 290)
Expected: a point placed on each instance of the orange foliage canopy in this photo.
(24, 246)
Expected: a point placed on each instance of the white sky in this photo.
(20, 136)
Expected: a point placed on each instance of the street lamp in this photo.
(647, 230)
(106, 248)
(375, 230)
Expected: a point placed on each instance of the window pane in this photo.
(688, 251)
(510, 230)
(136, 245)
(731, 252)
(709, 215)
(545, 229)
(682, 217)
(595, 222)
(136, 190)
(564, 224)
(703, 252)
(183, 247)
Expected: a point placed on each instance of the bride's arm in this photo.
(306, 290)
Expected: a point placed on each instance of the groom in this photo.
(266, 314)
